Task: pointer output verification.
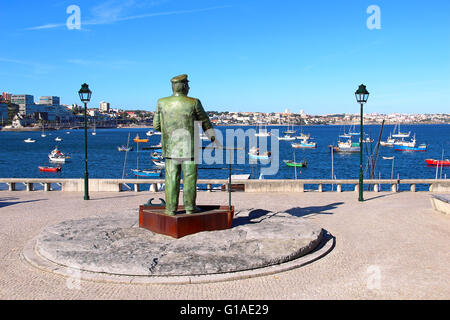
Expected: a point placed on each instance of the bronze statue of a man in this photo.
(175, 118)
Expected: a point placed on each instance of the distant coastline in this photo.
(35, 129)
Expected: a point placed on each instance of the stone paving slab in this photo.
(116, 245)
(391, 246)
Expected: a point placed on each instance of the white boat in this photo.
(255, 154)
(150, 133)
(403, 143)
(286, 137)
(94, 132)
(43, 135)
(29, 140)
(347, 146)
(262, 132)
(159, 163)
(400, 134)
(124, 148)
(57, 156)
(389, 142)
(352, 131)
(290, 130)
(303, 136)
(58, 139)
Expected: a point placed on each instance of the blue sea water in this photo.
(21, 160)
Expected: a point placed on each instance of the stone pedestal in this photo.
(210, 218)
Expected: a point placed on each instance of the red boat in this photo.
(49, 169)
(433, 162)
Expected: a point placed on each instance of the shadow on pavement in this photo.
(258, 215)
(5, 204)
(382, 196)
(308, 211)
(114, 197)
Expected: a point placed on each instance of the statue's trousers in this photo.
(174, 167)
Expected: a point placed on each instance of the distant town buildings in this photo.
(285, 118)
(3, 112)
(5, 97)
(24, 111)
(104, 106)
(49, 101)
(25, 103)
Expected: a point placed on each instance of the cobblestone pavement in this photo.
(392, 246)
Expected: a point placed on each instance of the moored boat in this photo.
(147, 172)
(422, 147)
(125, 148)
(50, 169)
(286, 137)
(262, 132)
(434, 162)
(57, 156)
(255, 154)
(304, 144)
(400, 134)
(303, 136)
(156, 156)
(159, 163)
(388, 143)
(29, 140)
(139, 140)
(291, 163)
(349, 146)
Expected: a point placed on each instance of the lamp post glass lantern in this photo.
(362, 95)
(85, 97)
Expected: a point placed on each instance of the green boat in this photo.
(291, 163)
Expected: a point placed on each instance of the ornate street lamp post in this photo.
(85, 97)
(361, 97)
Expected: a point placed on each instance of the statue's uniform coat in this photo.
(175, 117)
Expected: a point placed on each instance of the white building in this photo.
(104, 106)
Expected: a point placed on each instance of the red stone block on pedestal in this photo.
(210, 218)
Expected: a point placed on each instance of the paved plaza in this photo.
(392, 246)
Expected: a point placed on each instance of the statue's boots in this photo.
(194, 210)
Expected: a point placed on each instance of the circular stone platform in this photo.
(115, 245)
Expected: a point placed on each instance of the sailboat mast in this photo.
(295, 167)
(125, 161)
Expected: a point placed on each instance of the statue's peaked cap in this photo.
(180, 78)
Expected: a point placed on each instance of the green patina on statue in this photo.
(175, 118)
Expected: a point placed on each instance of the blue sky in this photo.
(240, 55)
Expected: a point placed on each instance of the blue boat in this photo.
(148, 173)
(304, 144)
(156, 156)
(422, 147)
